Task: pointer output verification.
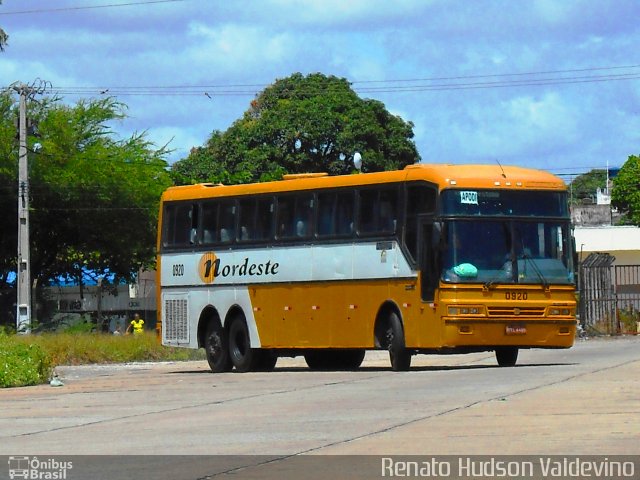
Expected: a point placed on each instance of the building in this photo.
(622, 242)
(108, 307)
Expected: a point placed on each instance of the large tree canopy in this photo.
(93, 197)
(585, 186)
(625, 195)
(312, 123)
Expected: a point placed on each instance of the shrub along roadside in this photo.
(30, 359)
(22, 363)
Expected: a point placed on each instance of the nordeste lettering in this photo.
(245, 268)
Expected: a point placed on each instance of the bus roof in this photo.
(443, 175)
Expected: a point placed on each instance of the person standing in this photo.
(137, 325)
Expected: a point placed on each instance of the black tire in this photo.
(332, 359)
(243, 357)
(267, 361)
(318, 360)
(507, 356)
(399, 356)
(350, 359)
(216, 347)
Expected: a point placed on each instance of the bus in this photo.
(432, 259)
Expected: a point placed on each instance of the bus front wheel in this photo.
(243, 357)
(507, 356)
(217, 348)
(398, 354)
(267, 361)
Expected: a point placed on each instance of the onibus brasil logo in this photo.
(38, 469)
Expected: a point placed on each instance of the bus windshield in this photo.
(504, 203)
(507, 252)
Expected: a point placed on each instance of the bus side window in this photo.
(421, 200)
(378, 211)
(246, 219)
(295, 216)
(335, 213)
(304, 215)
(209, 222)
(344, 221)
(388, 211)
(264, 219)
(180, 227)
(227, 222)
(326, 213)
(285, 217)
(367, 213)
(193, 234)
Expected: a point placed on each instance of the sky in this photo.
(550, 84)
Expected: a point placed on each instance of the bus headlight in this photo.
(559, 312)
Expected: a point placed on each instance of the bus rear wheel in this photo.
(217, 348)
(243, 357)
(399, 356)
(507, 356)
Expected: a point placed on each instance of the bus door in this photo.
(428, 327)
(428, 241)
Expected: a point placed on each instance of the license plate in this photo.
(515, 330)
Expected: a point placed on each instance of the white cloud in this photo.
(177, 138)
(234, 47)
(352, 14)
(554, 11)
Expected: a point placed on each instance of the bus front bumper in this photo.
(543, 333)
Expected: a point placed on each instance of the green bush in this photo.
(22, 363)
(30, 359)
(629, 319)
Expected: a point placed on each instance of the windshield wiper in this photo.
(528, 259)
(489, 284)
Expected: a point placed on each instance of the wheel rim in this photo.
(390, 337)
(215, 349)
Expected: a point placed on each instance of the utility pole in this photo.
(23, 317)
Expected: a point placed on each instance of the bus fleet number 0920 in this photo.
(516, 295)
(178, 270)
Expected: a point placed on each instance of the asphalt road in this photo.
(581, 401)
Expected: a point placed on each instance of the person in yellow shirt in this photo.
(137, 324)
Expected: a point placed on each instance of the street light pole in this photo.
(23, 317)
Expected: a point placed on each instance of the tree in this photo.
(312, 123)
(3, 37)
(625, 195)
(585, 186)
(94, 198)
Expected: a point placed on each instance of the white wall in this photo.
(621, 242)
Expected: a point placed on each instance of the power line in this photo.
(465, 77)
(401, 85)
(90, 7)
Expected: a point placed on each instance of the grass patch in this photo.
(30, 359)
(22, 363)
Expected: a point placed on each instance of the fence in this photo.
(609, 295)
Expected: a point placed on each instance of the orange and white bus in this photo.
(429, 259)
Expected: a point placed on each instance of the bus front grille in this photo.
(521, 312)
